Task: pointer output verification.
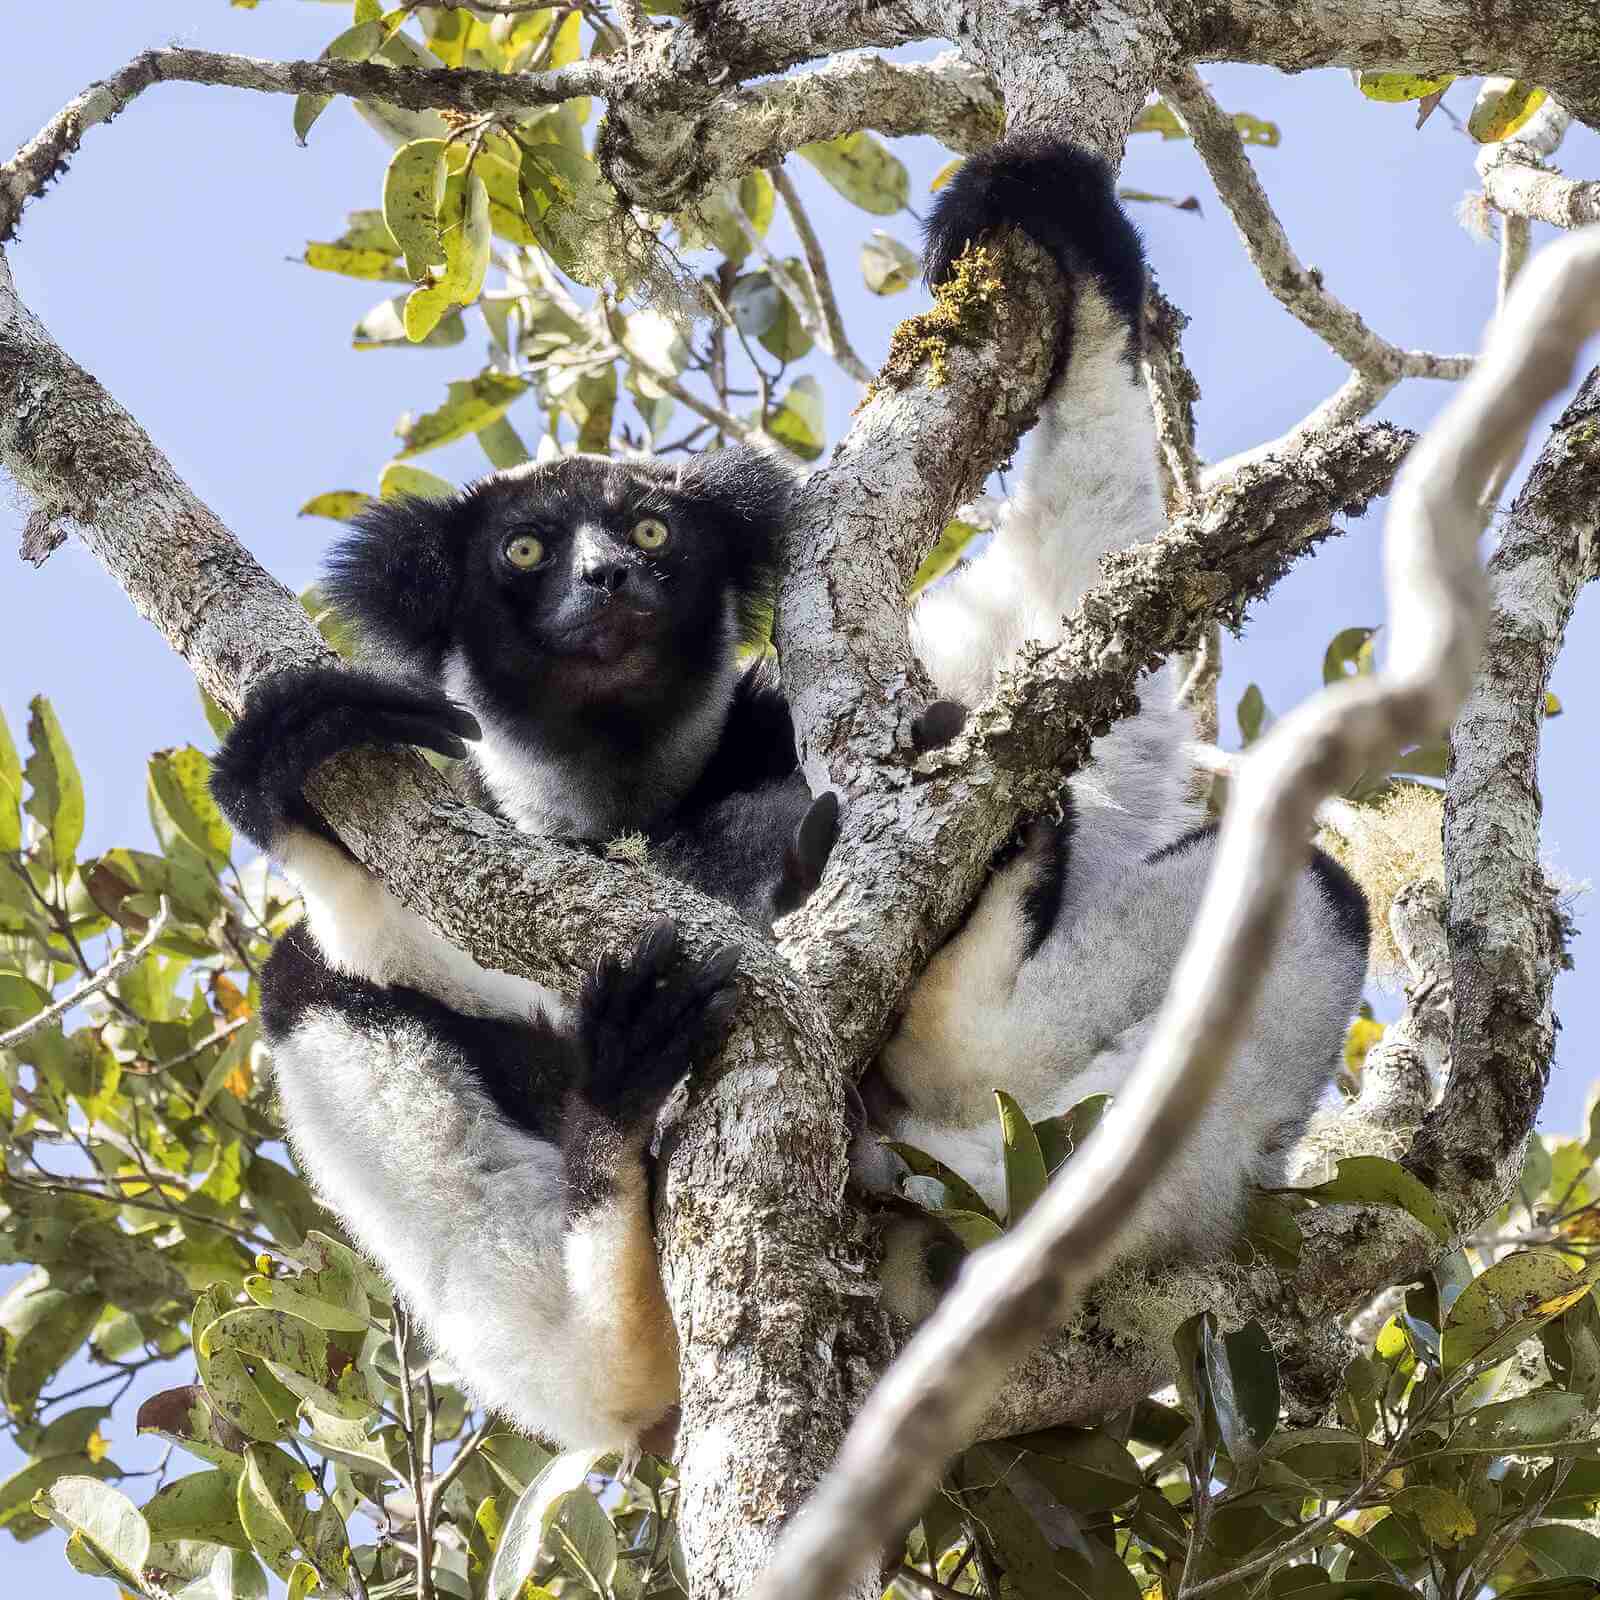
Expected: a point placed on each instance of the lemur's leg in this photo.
(496, 1169)
(294, 722)
(1090, 485)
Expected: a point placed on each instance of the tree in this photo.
(157, 1094)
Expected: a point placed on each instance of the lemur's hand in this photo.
(297, 720)
(646, 1021)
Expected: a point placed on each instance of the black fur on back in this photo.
(1064, 198)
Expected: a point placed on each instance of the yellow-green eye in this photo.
(524, 552)
(649, 533)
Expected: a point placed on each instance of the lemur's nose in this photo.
(607, 575)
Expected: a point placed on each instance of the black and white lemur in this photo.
(577, 622)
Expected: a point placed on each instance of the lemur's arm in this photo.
(496, 1169)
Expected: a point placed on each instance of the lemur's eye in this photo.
(524, 552)
(650, 533)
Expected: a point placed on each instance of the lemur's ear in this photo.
(748, 493)
(1063, 197)
(396, 576)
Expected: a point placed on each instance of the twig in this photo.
(1298, 288)
(462, 1456)
(423, 1556)
(194, 1050)
(933, 1397)
(108, 974)
(837, 341)
(906, 1573)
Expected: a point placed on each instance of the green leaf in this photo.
(253, 1401)
(473, 404)
(10, 791)
(1083, 1467)
(272, 1507)
(1159, 117)
(202, 1506)
(181, 780)
(861, 167)
(40, 1327)
(754, 302)
(55, 799)
(714, 224)
(786, 335)
(1349, 655)
(1270, 1233)
(1503, 106)
(798, 422)
(300, 1356)
(1243, 1372)
(1509, 1301)
(953, 538)
(502, 444)
(888, 266)
(1254, 718)
(972, 1228)
(374, 265)
(1396, 86)
(384, 328)
(1026, 1175)
(1373, 1180)
(354, 44)
(1060, 1138)
(515, 1460)
(413, 187)
(327, 1293)
(523, 1536)
(563, 194)
(586, 1540)
(187, 1417)
(1445, 1517)
(102, 1519)
(340, 505)
(398, 479)
(590, 399)
(1533, 1422)
(1554, 1589)
(960, 1195)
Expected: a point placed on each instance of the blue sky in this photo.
(163, 262)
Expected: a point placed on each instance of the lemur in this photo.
(570, 630)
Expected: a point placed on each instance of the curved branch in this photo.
(935, 1394)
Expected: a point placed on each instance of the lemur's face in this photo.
(591, 574)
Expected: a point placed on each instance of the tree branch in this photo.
(927, 1405)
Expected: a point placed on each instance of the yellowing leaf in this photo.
(1363, 1034)
(1394, 87)
(945, 174)
(1503, 106)
(1445, 1517)
(399, 479)
(349, 263)
(473, 403)
(464, 234)
(413, 187)
(887, 265)
(798, 421)
(953, 539)
(338, 504)
(1552, 706)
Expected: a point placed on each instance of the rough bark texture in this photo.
(1504, 927)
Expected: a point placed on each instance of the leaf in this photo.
(1254, 718)
(1503, 106)
(786, 336)
(1396, 86)
(1373, 1180)
(187, 1417)
(1243, 1371)
(887, 265)
(960, 1195)
(354, 44)
(181, 779)
(953, 539)
(754, 302)
(1186, 202)
(384, 328)
(413, 186)
(1445, 1517)
(472, 403)
(40, 1327)
(253, 1401)
(375, 265)
(398, 479)
(586, 1539)
(202, 1506)
(861, 167)
(1060, 1138)
(10, 791)
(301, 1357)
(272, 1507)
(1349, 655)
(1509, 1301)
(327, 1293)
(464, 234)
(1159, 117)
(973, 1229)
(1026, 1175)
(715, 225)
(1083, 1467)
(502, 444)
(55, 799)
(1532, 1422)
(103, 1519)
(522, 1538)
(1552, 706)
(798, 422)
(340, 505)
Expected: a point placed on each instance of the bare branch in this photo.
(1298, 288)
(835, 340)
(124, 961)
(1519, 186)
(930, 1400)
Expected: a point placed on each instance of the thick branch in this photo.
(1505, 937)
(1519, 186)
(928, 1403)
